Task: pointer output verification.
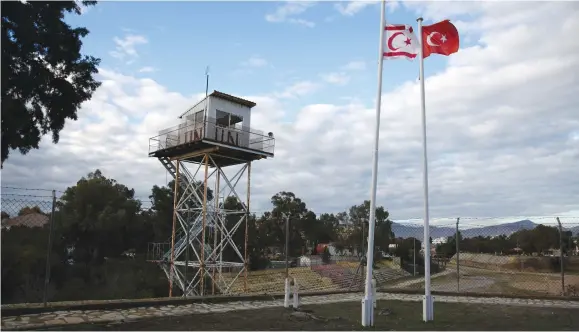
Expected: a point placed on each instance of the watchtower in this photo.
(212, 147)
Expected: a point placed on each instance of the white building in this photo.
(226, 121)
(309, 261)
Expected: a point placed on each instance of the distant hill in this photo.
(405, 231)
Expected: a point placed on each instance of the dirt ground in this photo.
(390, 315)
(497, 282)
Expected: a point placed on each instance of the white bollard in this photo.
(428, 308)
(286, 299)
(374, 292)
(296, 296)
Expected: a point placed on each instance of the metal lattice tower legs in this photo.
(202, 220)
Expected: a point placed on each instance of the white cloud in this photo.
(125, 48)
(288, 11)
(337, 78)
(351, 8)
(255, 61)
(298, 89)
(147, 69)
(354, 65)
(502, 118)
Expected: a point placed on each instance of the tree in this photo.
(324, 230)
(29, 210)
(359, 215)
(405, 248)
(45, 78)
(160, 216)
(23, 263)
(448, 249)
(99, 218)
(302, 221)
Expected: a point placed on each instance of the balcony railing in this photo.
(191, 131)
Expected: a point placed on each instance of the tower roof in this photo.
(233, 99)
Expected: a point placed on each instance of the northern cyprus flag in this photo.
(400, 42)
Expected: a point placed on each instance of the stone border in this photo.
(76, 319)
(8, 310)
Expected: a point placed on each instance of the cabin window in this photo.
(225, 119)
(199, 117)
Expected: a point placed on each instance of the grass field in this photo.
(390, 315)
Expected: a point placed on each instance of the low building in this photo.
(308, 261)
(27, 220)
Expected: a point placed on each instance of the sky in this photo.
(502, 120)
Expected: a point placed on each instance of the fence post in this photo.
(48, 250)
(286, 301)
(561, 257)
(414, 256)
(457, 240)
(374, 292)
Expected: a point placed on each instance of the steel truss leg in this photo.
(210, 227)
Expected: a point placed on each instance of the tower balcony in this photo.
(235, 141)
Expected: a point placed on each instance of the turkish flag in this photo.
(440, 38)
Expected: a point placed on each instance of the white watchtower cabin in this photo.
(226, 124)
(213, 134)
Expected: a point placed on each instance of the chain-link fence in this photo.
(27, 225)
(539, 258)
(515, 259)
(512, 259)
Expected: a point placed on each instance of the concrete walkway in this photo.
(58, 318)
(421, 279)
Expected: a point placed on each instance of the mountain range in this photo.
(405, 231)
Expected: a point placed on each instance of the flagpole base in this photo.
(286, 300)
(368, 311)
(427, 308)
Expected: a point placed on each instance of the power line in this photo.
(24, 195)
(30, 189)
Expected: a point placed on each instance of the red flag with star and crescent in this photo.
(440, 38)
(400, 42)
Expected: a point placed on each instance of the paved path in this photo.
(122, 315)
(421, 279)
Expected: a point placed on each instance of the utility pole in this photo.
(414, 256)
(48, 251)
(561, 257)
(287, 280)
(287, 238)
(457, 240)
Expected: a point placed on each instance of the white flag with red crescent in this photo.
(400, 42)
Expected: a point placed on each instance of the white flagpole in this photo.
(367, 302)
(427, 305)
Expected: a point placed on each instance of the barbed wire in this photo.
(30, 189)
(468, 221)
(25, 195)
